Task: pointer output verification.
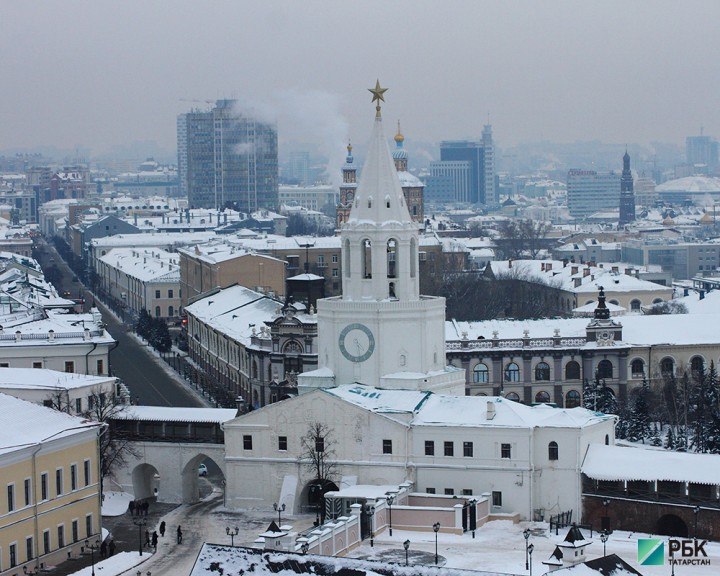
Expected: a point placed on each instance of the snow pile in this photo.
(115, 503)
(115, 565)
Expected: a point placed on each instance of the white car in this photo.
(202, 470)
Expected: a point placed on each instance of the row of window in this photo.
(47, 543)
(69, 366)
(572, 398)
(496, 496)
(170, 293)
(44, 485)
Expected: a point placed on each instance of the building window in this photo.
(247, 442)
(157, 312)
(449, 491)
(429, 448)
(75, 531)
(28, 497)
(334, 258)
(467, 492)
(319, 444)
(59, 482)
(29, 548)
(505, 451)
(468, 449)
(697, 366)
(637, 368)
(497, 499)
(157, 293)
(553, 451)
(69, 366)
(512, 372)
(542, 397)
(480, 374)
(512, 396)
(572, 399)
(430, 490)
(86, 471)
(635, 305)
(282, 443)
(4, 365)
(37, 364)
(667, 366)
(44, 486)
(88, 526)
(61, 536)
(73, 477)
(542, 372)
(604, 369)
(13, 555)
(46, 541)
(11, 497)
(449, 449)
(334, 272)
(78, 405)
(170, 293)
(387, 447)
(171, 311)
(572, 370)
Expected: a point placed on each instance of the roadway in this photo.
(142, 373)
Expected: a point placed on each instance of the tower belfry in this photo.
(381, 331)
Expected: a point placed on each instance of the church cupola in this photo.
(400, 155)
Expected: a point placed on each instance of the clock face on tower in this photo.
(357, 342)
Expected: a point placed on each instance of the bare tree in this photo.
(59, 399)
(522, 238)
(318, 452)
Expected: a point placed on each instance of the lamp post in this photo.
(371, 513)
(473, 516)
(232, 534)
(279, 509)
(436, 529)
(140, 522)
(390, 499)
(531, 547)
(526, 535)
(606, 518)
(304, 547)
(94, 546)
(696, 511)
(604, 538)
(406, 545)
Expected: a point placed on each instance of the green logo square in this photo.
(651, 552)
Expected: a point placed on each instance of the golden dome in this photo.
(399, 138)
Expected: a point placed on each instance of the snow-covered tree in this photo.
(639, 414)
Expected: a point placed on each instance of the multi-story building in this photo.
(227, 159)
(23, 202)
(141, 279)
(322, 198)
(481, 157)
(683, 260)
(589, 191)
(702, 151)
(220, 265)
(50, 470)
(449, 182)
(78, 235)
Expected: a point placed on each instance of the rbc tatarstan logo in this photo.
(651, 552)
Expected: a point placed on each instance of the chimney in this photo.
(548, 266)
(577, 281)
(702, 294)
(586, 272)
(573, 270)
(629, 271)
(615, 269)
(542, 266)
(686, 292)
(490, 410)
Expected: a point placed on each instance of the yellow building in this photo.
(49, 476)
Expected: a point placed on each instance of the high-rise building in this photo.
(702, 151)
(449, 181)
(627, 196)
(481, 158)
(227, 159)
(589, 191)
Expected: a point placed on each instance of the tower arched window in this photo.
(392, 258)
(512, 396)
(572, 399)
(667, 366)
(572, 370)
(512, 372)
(697, 365)
(542, 372)
(366, 259)
(346, 258)
(481, 374)
(542, 397)
(604, 369)
(413, 258)
(553, 451)
(637, 368)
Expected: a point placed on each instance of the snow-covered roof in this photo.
(693, 184)
(26, 424)
(41, 378)
(144, 264)
(429, 409)
(154, 239)
(66, 329)
(625, 463)
(218, 251)
(175, 414)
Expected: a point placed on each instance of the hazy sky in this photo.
(99, 73)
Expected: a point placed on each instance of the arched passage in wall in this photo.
(195, 486)
(671, 525)
(312, 496)
(146, 481)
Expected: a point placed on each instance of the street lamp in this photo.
(371, 513)
(232, 534)
(140, 522)
(473, 516)
(696, 511)
(304, 547)
(606, 518)
(604, 538)
(390, 499)
(436, 529)
(406, 545)
(94, 546)
(530, 551)
(279, 509)
(526, 535)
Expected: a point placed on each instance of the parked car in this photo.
(202, 470)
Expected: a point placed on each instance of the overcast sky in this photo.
(99, 73)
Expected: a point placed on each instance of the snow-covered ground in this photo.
(499, 546)
(117, 564)
(115, 503)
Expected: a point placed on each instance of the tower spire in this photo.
(378, 95)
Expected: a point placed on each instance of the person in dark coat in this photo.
(147, 538)
(179, 535)
(111, 547)
(154, 540)
(162, 529)
(103, 549)
(131, 507)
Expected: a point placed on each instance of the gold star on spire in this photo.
(377, 93)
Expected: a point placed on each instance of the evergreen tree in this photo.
(639, 417)
(670, 439)
(590, 394)
(655, 437)
(606, 401)
(143, 324)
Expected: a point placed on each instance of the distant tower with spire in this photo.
(627, 195)
(347, 189)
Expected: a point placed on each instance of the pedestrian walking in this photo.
(147, 538)
(162, 529)
(103, 549)
(154, 540)
(146, 507)
(131, 507)
(112, 547)
(179, 535)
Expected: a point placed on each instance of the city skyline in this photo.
(104, 75)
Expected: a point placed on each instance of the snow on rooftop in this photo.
(176, 414)
(16, 415)
(624, 463)
(144, 264)
(40, 378)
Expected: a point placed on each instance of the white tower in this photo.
(381, 332)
